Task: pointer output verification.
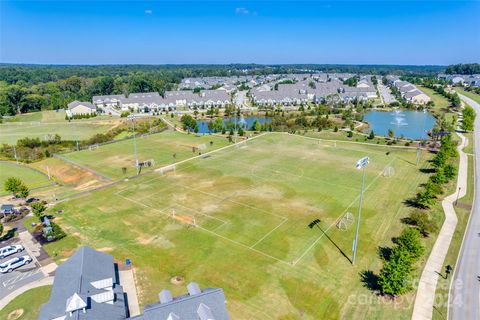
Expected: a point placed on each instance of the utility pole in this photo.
(15, 153)
(361, 164)
(458, 195)
(133, 117)
(418, 154)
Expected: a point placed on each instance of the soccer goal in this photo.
(202, 147)
(144, 135)
(148, 163)
(167, 169)
(388, 171)
(93, 147)
(345, 222)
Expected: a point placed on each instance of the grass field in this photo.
(40, 124)
(27, 305)
(470, 95)
(32, 178)
(251, 207)
(109, 159)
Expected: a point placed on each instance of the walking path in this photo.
(427, 285)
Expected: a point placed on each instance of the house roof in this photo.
(198, 304)
(76, 103)
(78, 284)
(6, 207)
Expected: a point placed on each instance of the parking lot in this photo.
(19, 277)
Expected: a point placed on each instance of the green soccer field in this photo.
(238, 219)
(41, 124)
(31, 177)
(164, 148)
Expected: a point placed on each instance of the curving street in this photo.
(464, 301)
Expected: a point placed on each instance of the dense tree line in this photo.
(467, 68)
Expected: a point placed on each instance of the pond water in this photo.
(242, 122)
(410, 124)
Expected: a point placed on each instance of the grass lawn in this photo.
(251, 207)
(40, 124)
(32, 178)
(27, 304)
(470, 95)
(109, 159)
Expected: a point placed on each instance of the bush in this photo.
(422, 221)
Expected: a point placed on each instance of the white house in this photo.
(77, 107)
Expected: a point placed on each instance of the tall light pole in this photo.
(361, 164)
(133, 117)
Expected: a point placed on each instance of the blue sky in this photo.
(172, 32)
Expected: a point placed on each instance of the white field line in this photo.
(329, 227)
(211, 232)
(344, 141)
(261, 239)
(210, 152)
(200, 213)
(240, 203)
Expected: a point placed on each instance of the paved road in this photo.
(465, 291)
(385, 93)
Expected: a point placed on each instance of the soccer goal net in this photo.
(202, 147)
(167, 169)
(148, 163)
(345, 222)
(93, 147)
(388, 171)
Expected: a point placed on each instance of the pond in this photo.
(242, 122)
(409, 124)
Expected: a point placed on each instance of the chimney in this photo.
(165, 296)
(193, 288)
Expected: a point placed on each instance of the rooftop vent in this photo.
(165, 296)
(204, 312)
(173, 316)
(193, 288)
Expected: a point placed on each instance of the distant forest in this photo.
(468, 68)
(25, 88)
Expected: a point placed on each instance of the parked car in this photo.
(8, 250)
(12, 264)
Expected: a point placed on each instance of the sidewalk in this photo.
(427, 285)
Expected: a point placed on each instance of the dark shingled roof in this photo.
(80, 275)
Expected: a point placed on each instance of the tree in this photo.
(23, 191)
(410, 241)
(257, 126)
(424, 224)
(468, 118)
(391, 134)
(425, 199)
(450, 171)
(395, 273)
(371, 135)
(38, 208)
(12, 185)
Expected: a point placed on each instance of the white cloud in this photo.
(148, 11)
(241, 11)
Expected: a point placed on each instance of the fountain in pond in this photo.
(399, 118)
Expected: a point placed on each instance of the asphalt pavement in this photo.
(465, 291)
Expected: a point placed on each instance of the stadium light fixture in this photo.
(361, 165)
(133, 117)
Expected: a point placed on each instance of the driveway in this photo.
(20, 277)
(464, 300)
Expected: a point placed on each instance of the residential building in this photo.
(7, 209)
(86, 287)
(206, 304)
(77, 107)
